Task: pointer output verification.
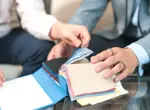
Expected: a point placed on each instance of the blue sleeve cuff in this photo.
(142, 55)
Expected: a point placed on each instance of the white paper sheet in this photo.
(23, 94)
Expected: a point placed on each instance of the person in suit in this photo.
(124, 46)
(33, 43)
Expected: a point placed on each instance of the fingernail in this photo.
(98, 69)
(92, 60)
(106, 76)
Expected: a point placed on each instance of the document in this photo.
(23, 94)
(119, 91)
(82, 79)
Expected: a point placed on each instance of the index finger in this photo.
(85, 38)
(110, 61)
(101, 56)
(74, 40)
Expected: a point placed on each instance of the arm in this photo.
(142, 52)
(89, 13)
(34, 18)
(142, 56)
(43, 26)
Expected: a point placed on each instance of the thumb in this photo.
(2, 76)
(85, 38)
(51, 55)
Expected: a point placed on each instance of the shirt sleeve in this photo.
(34, 18)
(142, 55)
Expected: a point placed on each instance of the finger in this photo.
(85, 38)
(64, 50)
(2, 79)
(51, 55)
(69, 42)
(116, 50)
(107, 63)
(122, 75)
(2, 76)
(1, 82)
(69, 51)
(61, 52)
(116, 69)
(101, 56)
(85, 42)
(74, 40)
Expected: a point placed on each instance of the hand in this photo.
(74, 35)
(122, 60)
(1, 78)
(60, 50)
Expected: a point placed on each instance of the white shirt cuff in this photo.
(142, 55)
(46, 25)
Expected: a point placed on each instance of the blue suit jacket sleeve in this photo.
(89, 13)
(142, 55)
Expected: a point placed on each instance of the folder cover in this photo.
(32, 92)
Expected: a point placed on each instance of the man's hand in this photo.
(74, 35)
(1, 78)
(60, 50)
(121, 60)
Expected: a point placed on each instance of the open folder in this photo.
(41, 89)
(31, 92)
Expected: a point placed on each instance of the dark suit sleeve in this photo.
(89, 13)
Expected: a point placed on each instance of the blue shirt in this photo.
(141, 54)
(136, 12)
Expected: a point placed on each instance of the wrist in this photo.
(134, 57)
(55, 30)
